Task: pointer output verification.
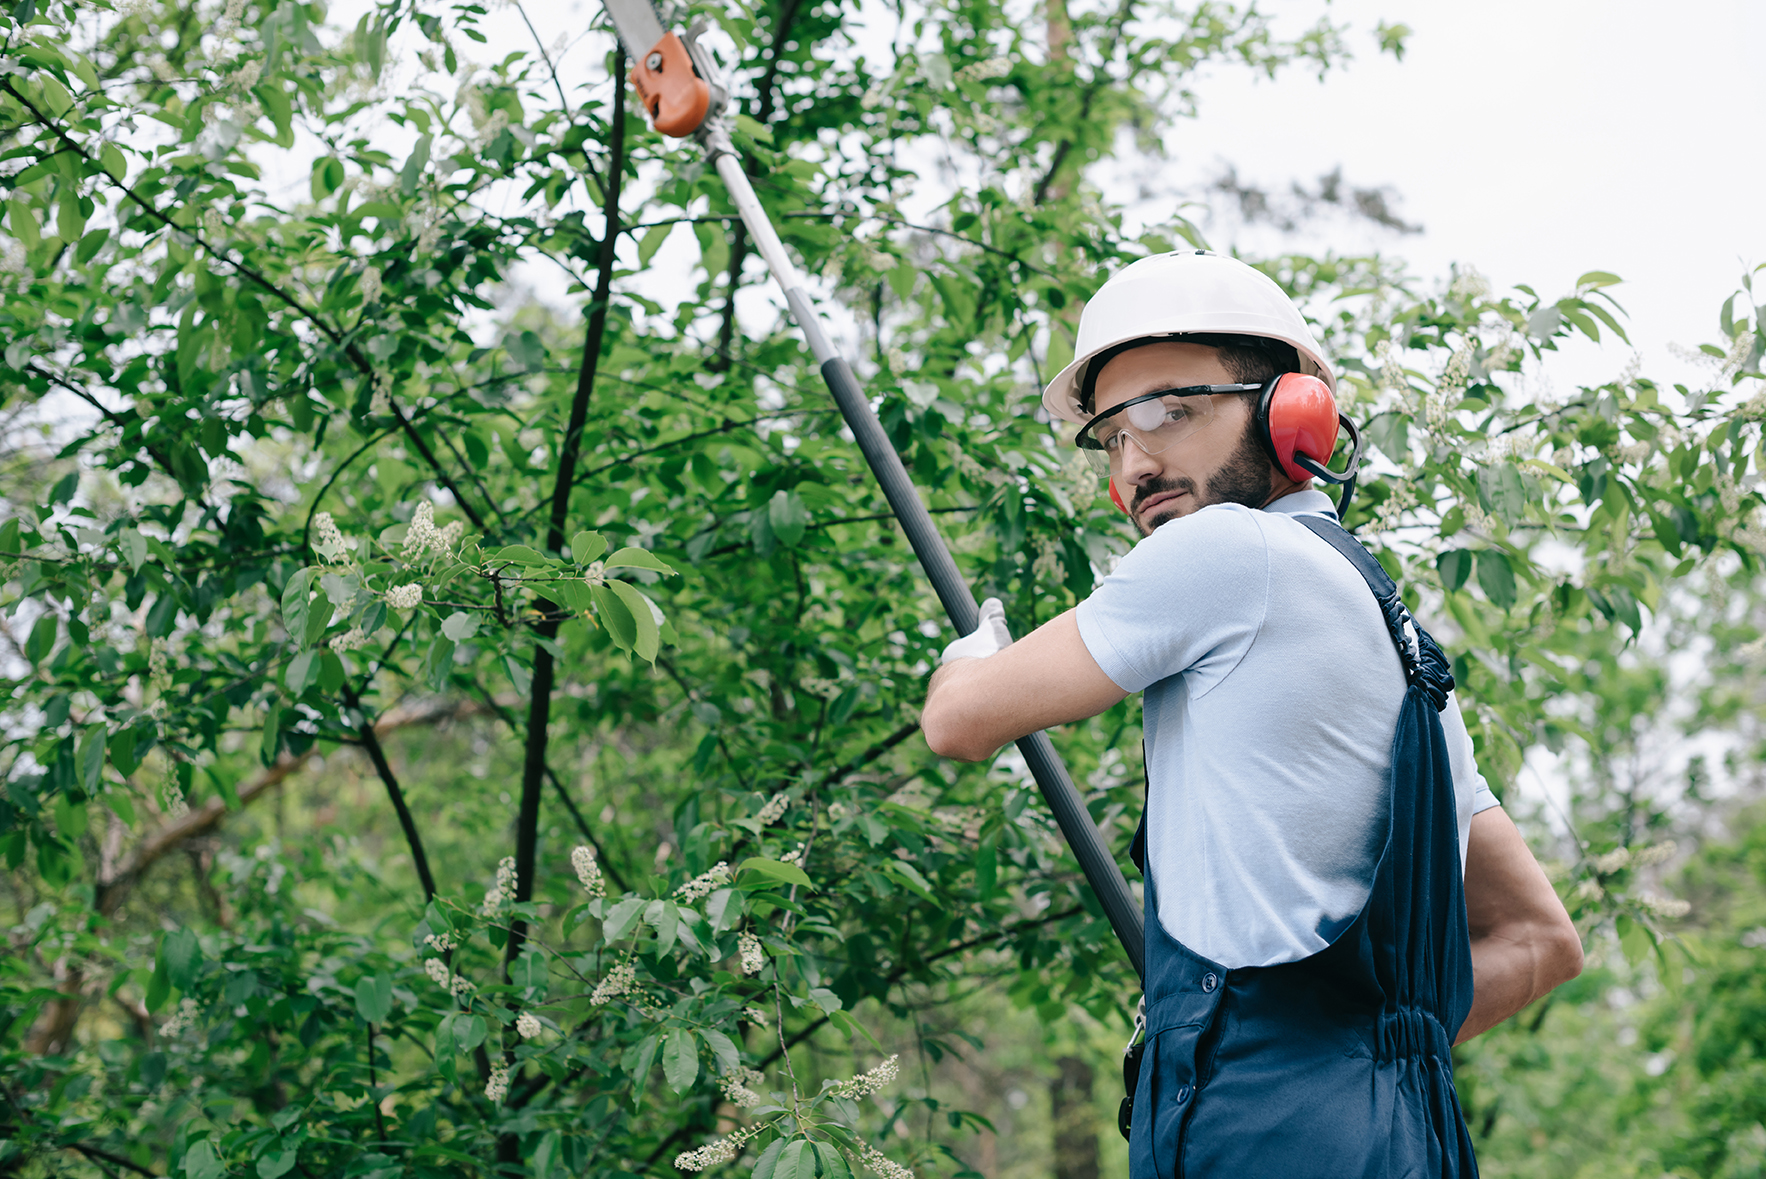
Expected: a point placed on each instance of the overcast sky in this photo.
(1537, 140)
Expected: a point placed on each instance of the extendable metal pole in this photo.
(1100, 867)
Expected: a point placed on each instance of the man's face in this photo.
(1218, 462)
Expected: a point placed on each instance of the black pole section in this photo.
(1100, 867)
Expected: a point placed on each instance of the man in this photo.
(1314, 942)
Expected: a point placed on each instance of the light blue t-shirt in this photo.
(1271, 698)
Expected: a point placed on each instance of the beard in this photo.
(1242, 479)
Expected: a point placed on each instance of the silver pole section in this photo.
(1100, 867)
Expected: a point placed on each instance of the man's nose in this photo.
(1137, 465)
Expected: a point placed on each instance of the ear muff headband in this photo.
(1297, 421)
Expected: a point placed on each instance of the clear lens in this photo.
(1153, 425)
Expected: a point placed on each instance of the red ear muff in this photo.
(1116, 497)
(1299, 419)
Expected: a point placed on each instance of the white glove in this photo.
(989, 637)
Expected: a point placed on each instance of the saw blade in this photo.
(638, 26)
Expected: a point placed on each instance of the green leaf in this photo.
(327, 177)
(788, 517)
(767, 1165)
(133, 546)
(526, 349)
(797, 1161)
(460, 626)
(469, 1032)
(277, 1161)
(201, 1161)
(646, 637)
(21, 221)
(374, 998)
(723, 1048)
(294, 603)
(303, 669)
(318, 617)
(1497, 577)
(1455, 566)
(520, 554)
(680, 1060)
(789, 873)
(418, 160)
(831, 1163)
(159, 986)
(182, 957)
(586, 546)
(615, 617)
(827, 1000)
(91, 757)
(634, 558)
(529, 972)
(652, 241)
(624, 916)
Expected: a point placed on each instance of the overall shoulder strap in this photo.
(1424, 664)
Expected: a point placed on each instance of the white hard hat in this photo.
(1184, 292)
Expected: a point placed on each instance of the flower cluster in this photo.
(370, 285)
(328, 539)
(867, 1083)
(1613, 861)
(1656, 853)
(439, 942)
(980, 71)
(619, 981)
(882, 1164)
(497, 1087)
(422, 536)
(1048, 565)
(437, 970)
(182, 1020)
(350, 640)
(774, 810)
(1470, 285)
(738, 1087)
(503, 890)
(404, 597)
(723, 1150)
(700, 886)
(588, 871)
(1666, 906)
(527, 1025)
(462, 985)
(753, 957)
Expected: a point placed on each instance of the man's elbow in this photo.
(950, 729)
(949, 736)
(1563, 954)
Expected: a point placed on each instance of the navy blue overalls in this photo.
(1338, 1065)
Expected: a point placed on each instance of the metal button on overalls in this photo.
(1339, 1064)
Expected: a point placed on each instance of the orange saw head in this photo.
(673, 93)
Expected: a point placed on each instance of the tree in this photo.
(286, 479)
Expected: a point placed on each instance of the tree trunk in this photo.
(1075, 1120)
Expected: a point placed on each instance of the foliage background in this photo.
(346, 587)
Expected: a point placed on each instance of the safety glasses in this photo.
(1154, 421)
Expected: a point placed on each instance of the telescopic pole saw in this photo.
(680, 89)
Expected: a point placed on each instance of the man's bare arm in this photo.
(1523, 942)
(975, 706)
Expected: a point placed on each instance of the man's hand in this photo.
(976, 705)
(989, 637)
(1523, 942)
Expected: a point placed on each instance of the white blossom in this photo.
(527, 1025)
(404, 597)
(503, 890)
(497, 1087)
(248, 75)
(370, 285)
(588, 871)
(701, 886)
(880, 1163)
(753, 955)
(738, 1087)
(1391, 366)
(181, 1020)
(619, 981)
(1612, 861)
(1670, 907)
(440, 942)
(867, 1083)
(350, 640)
(1590, 890)
(462, 985)
(328, 539)
(13, 259)
(980, 71)
(422, 536)
(1469, 284)
(437, 971)
(710, 1155)
(774, 810)
(1656, 853)
(1048, 565)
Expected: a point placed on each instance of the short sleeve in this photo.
(1190, 597)
(1461, 758)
